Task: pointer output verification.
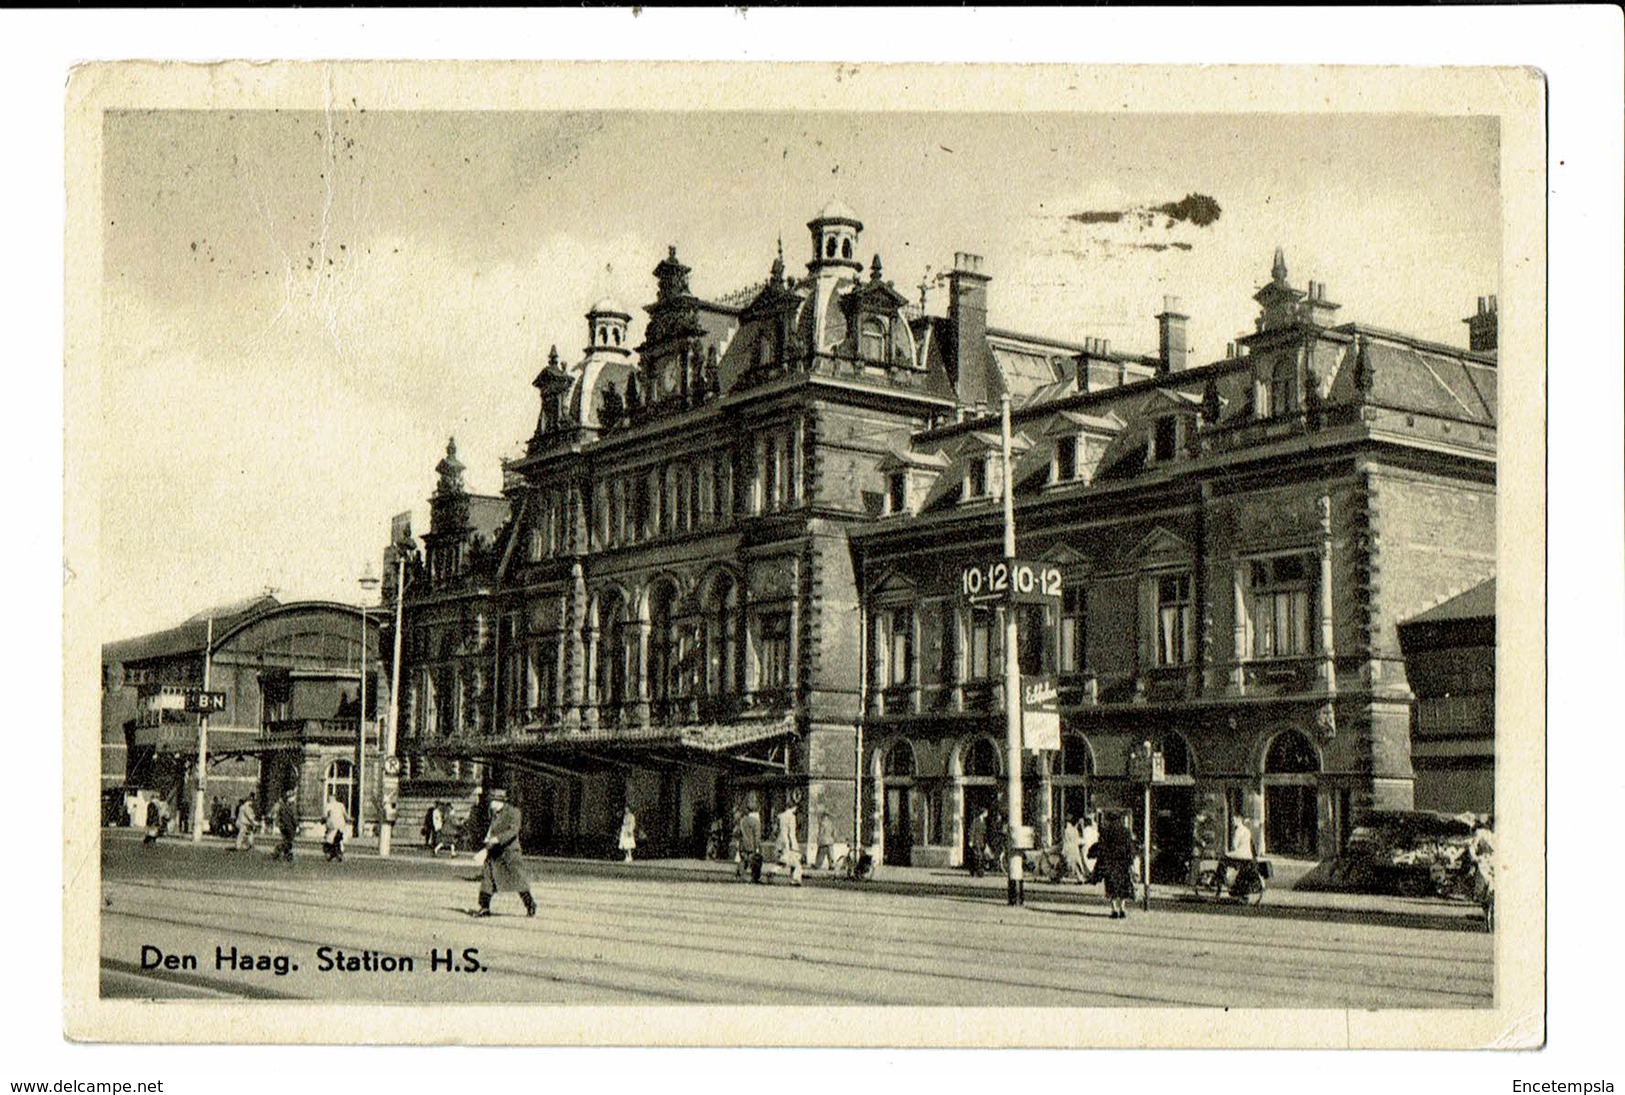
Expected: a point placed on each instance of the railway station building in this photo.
(726, 566)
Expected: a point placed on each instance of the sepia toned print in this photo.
(867, 554)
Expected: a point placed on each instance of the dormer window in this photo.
(873, 342)
(897, 492)
(1165, 438)
(1066, 459)
(976, 478)
(1278, 395)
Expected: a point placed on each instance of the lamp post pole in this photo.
(202, 742)
(368, 583)
(387, 831)
(1015, 885)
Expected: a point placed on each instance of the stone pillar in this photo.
(589, 696)
(1046, 800)
(1328, 653)
(1238, 671)
(640, 710)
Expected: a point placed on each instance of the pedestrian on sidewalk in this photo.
(1240, 861)
(628, 840)
(155, 822)
(976, 852)
(444, 827)
(789, 847)
(750, 841)
(287, 823)
(247, 822)
(337, 818)
(1116, 857)
(1088, 838)
(1072, 852)
(826, 841)
(502, 870)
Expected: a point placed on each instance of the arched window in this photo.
(981, 758)
(722, 635)
(612, 658)
(339, 783)
(829, 247)
(1291, 797)
(846, 249)
(664, 647)
(1176, 756)
(899, 761)
(1075, 757)
(1070, 774)
(872, 342)
(1290, 753)
(1283, 395)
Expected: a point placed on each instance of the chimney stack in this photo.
(1316, 308)
(1171, 345)
(1482, 327)
(969, 358)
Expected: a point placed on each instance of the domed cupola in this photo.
(606, 329)
(835, 240)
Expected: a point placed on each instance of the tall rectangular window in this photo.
(774, 628)
(770, 475)
(979, 645)
(1175, 619)
(897, 651)
(1066, 459)
(897, 492)
(1166, 442)
(976, 478)
(1074, 631)
(1034, 627)
(705, 495)
(1280, 596)
(1282, 395)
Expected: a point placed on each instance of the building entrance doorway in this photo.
(897, 776)
(1291, 812)
(979, 797)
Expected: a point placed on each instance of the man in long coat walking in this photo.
(287, 823)
(750, 842)
(502, 868)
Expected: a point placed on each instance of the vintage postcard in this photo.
(798, 554)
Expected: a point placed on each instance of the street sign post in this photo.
(204, 703)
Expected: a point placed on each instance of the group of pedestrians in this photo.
(750, 849)
(1098, 848)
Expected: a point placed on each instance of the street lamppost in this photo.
(387, 829)
(368, 582)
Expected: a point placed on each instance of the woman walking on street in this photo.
(1116, 859)
(628, 840)
(246, 824)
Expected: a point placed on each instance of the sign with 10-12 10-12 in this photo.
(1011, 580)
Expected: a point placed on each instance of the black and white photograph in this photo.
(904, 550)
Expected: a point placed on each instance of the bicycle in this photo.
(856, 868)
(1248, 886)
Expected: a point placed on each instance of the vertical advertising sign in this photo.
(1040, 712)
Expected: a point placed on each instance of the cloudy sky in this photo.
(300, 307)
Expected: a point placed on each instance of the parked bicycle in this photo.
(855, 864)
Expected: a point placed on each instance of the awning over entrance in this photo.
(714, 740)
(181, 738)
